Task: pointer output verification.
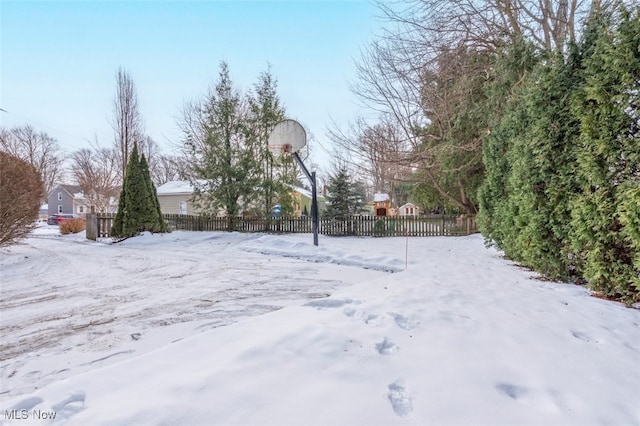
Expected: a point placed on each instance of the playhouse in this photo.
(382, 204)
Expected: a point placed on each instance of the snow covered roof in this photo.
(302, 191)
(380, 197)
(175, 187)
(305, 192)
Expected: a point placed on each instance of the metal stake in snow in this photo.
(406, 248)
(290, 137)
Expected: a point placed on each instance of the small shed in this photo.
(175, 197)
(382, 204)
(408, 210)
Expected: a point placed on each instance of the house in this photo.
(408, 210)
(302, 201)
(175, 197)
(382, 204)
(67, 199)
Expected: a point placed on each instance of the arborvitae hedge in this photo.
(561, 193)
(605, 212)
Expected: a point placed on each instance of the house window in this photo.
(59, 196)
(59, 208)
(80, 209)
(182, 207)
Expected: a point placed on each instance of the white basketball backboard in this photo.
(288, 136)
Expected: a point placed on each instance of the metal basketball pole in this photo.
(314, 197)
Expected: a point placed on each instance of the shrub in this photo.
(379, 228)
(72, 226)
(21, 192)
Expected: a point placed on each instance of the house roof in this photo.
(180, 187)
(407, 205)
(380, 197)
(175, 187)
(305, 192)
(70, 189)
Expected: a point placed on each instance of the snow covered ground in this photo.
(246, 329)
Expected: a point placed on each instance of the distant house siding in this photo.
(170, 204)
(408, 209)
(59, 201)
(177, 204)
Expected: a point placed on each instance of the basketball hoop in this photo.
(278, 150)
(288, 136)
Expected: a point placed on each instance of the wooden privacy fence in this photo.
(99, 225)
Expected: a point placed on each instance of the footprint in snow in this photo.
(400, 400)
(69, 406)
(372, 319)
(350, 312)
(329, 303)
(403, 322)
(580, 335)
(511, 390)
(386, 347)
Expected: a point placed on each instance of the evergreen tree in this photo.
(224, 164)
(540, 180)
(449, 154)
(561, 193)
(122, 222)
(275, 174)
(137, 210)
(154, 220)
(508, 118)
(117, 227)
(345, 197)
(605, 215)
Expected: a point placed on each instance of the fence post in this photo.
(91, 226)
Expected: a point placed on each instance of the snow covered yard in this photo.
(236, 329)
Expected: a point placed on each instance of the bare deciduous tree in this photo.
(426, 73)
(97, 172)
(127, 121)
(193, 124)
(414, 96)
(376, 152)
(36, 148)
(168, 168)
(488, 23)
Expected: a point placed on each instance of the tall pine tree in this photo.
(275, 174)
(223, 159)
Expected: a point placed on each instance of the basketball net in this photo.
(278, 150)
